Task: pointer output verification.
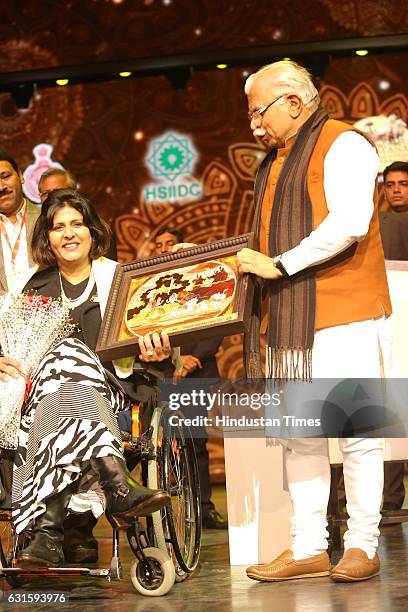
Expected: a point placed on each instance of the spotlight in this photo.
(22, 95)
(384, 85)
(125, 74)
(361, 52)
(179, 78)
(62, 82)
(222, 66)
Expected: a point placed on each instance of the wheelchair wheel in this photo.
(177, 527)
(160, 581)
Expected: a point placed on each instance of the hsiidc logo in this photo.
(171, 159)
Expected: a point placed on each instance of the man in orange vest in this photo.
(323, 268)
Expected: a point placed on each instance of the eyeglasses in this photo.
(259, 113)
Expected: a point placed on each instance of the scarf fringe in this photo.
(253, 368)
(285, 364)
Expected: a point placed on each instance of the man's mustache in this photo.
(5, 192)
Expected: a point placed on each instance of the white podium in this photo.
(259, 507)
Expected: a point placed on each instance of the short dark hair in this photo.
(168, 229)
(55, 171)
(397, 166)
(4, 156)
(59, 198)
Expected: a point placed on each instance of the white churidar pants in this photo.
(354, 350)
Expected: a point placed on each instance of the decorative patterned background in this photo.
(101, 131)
(78, 31)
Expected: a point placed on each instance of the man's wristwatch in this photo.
(277, 262)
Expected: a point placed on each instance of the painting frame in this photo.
(112, 343)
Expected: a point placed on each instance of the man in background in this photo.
(394, 235)
(394, 224)
(55, 178)
(166, 239)
(17, 219)
(198, 361)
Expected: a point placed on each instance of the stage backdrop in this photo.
(148, 155)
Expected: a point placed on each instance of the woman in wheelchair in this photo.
(69, 442)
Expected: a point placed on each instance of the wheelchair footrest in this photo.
(54, 571)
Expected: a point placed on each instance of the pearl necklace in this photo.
(82, 297)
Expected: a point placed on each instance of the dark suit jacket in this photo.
(33, 212)
(205, 351)
(394, 235)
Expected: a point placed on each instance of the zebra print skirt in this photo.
(68, 419)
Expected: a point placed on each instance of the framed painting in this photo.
(193, 294)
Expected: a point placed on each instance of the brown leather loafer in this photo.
(285, 567)
(355, 566)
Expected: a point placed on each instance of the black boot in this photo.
(45, 548)
(80, 546)
(125, 498)
(6, 477)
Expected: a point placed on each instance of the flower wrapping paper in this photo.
(30, 325)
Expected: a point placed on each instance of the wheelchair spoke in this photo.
(177, 473)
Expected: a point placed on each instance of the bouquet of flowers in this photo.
(30, 325)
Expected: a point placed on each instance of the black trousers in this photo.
(203, 464)
(394, 489)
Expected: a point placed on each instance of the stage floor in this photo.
(217, 587)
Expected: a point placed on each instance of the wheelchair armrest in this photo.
(153, 374)
(136, 390)
(114, 381)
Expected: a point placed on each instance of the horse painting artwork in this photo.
(181, 299)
